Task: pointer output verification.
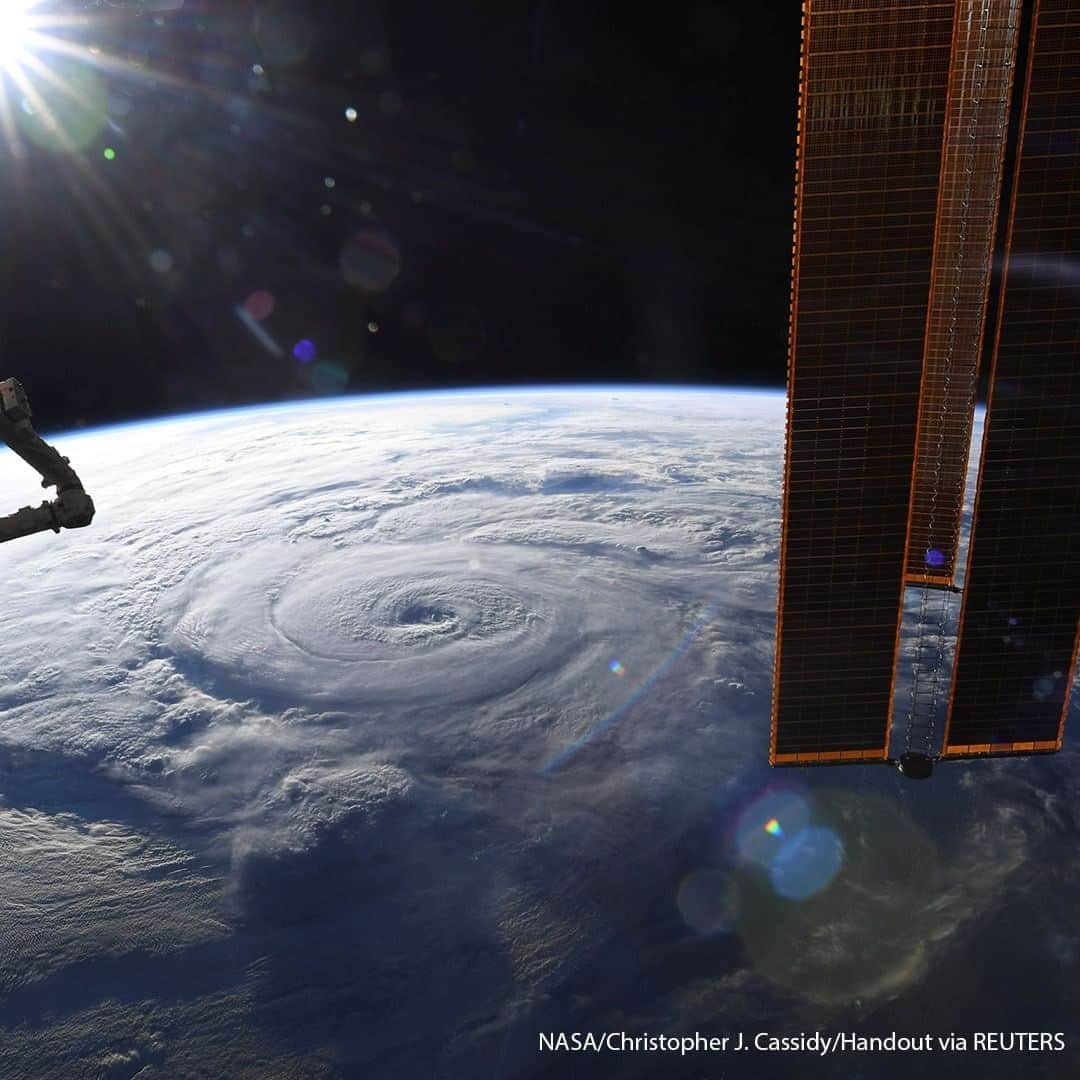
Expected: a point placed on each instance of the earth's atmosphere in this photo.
(376, 737)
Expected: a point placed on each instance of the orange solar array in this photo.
(976, 116)
(1017, 649)
(872, 110)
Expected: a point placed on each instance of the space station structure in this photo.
(72, 508)
(936, 242)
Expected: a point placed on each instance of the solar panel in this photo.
(872, 108)
(976, 116)
(1017, 646)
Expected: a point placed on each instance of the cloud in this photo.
(277, 747)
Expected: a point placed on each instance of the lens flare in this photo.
(260, 304)
(758, 833)
(708, 902)
(304, 351)
(16, 30)
(807, 864)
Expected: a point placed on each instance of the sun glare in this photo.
(14, 30)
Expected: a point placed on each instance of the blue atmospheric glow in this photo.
(390, 397)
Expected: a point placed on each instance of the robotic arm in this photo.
(72, 508)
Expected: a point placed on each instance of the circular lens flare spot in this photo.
(161, 261)
(304, 351)
(935, 558)
(68, 105)
(371, 261)
(807, 863)
(260, 305)
(708, 902)
(283, 34)
(763, 827)
(616, 668)
(1043, 688)
(328, 377)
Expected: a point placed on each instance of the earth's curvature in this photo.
(375, 737)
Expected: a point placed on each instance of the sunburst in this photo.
(59, 61)
(52, 95)
(27, 31)
(16, 31)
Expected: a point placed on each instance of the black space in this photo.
(578, 193)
